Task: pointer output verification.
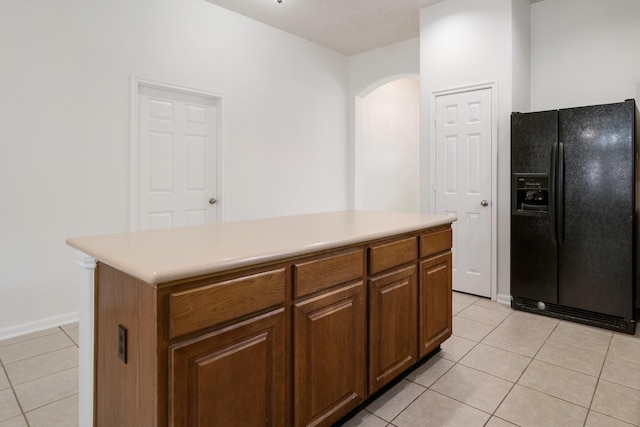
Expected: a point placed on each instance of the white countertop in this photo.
(160, 256)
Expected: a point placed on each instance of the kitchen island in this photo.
(281, 321)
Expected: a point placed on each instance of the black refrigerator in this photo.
(574, 214)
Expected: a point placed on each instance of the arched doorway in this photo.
(387, 147)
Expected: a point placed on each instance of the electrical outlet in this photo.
(122, 343)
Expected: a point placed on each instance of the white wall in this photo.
(584, 52)
(64, 133)
(368, 71)
(521, 55)
(388, 148)
(467, 42)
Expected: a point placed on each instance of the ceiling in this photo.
(347, 26)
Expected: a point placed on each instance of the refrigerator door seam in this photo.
(552, 192)
(560, 193)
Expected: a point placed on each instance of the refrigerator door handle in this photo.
(552, 191)
(560, 200)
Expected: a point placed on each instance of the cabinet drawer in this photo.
(313, 276)
(435, 242)
(388, 255)
(205, 306)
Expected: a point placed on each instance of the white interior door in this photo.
(463, 141)
(177, 137)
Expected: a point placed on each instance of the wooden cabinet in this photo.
(435, 288)
(200, 353)
(201, 307)
(236, 374)
(393, 311)
(300, 341)
(233, 376)
(392, 325)
(329, 340)
(319, 274)
(329, 357)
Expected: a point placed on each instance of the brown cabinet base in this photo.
(239, 364)
(296, 342)
(435, 302)
(330, 357)
(392, 325)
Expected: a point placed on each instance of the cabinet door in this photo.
(435, 302)
(329, 360)
(392, 325)
(231, 377)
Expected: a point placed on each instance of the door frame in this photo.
(134, 143)
(493, 87)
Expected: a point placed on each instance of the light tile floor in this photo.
(504, 368)
(39, 379)
(500, 368)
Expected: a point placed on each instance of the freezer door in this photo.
(596, 233)
(533, 259)
(533, 252)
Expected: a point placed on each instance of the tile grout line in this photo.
(410, 403)
(595, 389)
(41, 354)
(50, 403)
(4, 344)
(71, 338)
(72, 344)
(15, 396)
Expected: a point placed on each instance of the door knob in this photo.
(484, 203)
(212, 200)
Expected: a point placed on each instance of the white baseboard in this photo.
(504, 299)
(38, 325)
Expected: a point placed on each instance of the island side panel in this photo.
(125, 390)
